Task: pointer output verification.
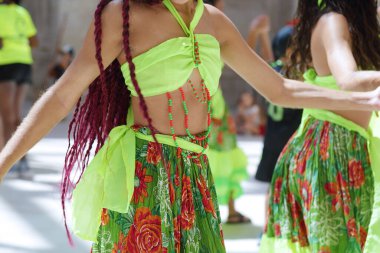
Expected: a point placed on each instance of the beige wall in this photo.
(242, 12)
(79, 15)
(49, 16)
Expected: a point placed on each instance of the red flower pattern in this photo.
(145, 233)
(105, 219)
(120, 246)
(306, 193)
(295, 209)
(324, 249)
(277, 190)
(352, 228)
(176, 177)
(187, 208)
(153, 153)
(141, 180)
(277, 230)
(356, 174)
(206, 196)
(177, 234)
(171, 193)
(339, 193)
(231, 125)
(363, 237)
(325, 141)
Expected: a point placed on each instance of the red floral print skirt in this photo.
(174, 207)
(322, 191)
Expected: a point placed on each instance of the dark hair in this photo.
(212, 2)
(104, 108)
(363, 25)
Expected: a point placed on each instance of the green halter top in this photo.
(372, 135)
(108, 181)
(167, 66)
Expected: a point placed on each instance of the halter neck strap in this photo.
(197, 16)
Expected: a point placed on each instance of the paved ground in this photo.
(30, 213)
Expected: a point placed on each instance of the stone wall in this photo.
(241, 13)
(50, 16)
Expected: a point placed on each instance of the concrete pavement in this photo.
(31, 217)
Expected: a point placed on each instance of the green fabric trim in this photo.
(312, 77)
(218, 105)
(283, 245)
(229, 169)
(197, 16)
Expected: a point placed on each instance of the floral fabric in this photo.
(322, 191)
(174, 207)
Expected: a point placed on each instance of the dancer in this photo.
(17, 38)
(149, 188)
(227, 160)
(322, 193)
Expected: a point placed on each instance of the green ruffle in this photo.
(279, 245)
(229, 168)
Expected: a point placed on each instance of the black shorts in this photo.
(17, 72)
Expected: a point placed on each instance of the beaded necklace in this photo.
(206, 98)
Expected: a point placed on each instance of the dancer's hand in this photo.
(375, 101)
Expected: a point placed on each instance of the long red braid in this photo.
(104, 108)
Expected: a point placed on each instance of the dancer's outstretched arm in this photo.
(58, 101)
(278, 90)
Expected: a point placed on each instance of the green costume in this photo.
(325, 192)
(228, 161)
(143, 202)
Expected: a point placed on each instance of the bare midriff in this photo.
(158, 111)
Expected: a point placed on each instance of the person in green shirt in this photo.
(17, 38)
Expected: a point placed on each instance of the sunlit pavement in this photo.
(31, 218)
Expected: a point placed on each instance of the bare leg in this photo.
(7, 110)
(231, 205)
(21, 92)
(234, 217)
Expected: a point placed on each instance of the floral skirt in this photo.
(174, 207)
(322, 192)
(228, 161)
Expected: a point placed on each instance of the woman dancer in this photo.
(149, 187)
(322, 193)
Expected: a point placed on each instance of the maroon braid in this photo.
(132, 67)
(104, 108)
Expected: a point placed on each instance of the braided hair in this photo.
(104, 107)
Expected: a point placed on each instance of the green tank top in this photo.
(167, 66)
